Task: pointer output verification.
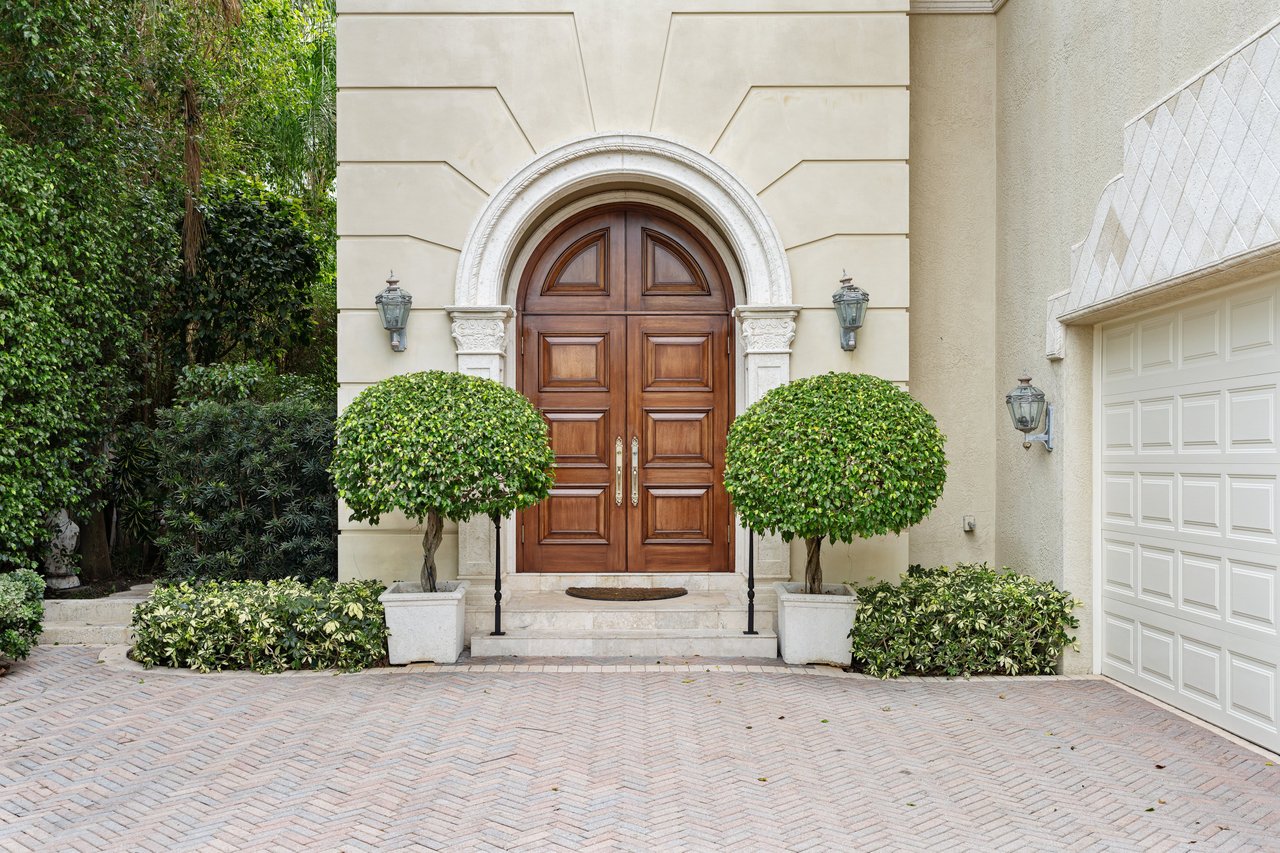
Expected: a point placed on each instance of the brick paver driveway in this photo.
(96, 758)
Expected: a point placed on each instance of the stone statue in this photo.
(60, 565)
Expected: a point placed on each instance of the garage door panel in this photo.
(1190, 469)
(1251, 327)
(1207, 586)
(1240, 371)
(1206, 670)
(1252, 419)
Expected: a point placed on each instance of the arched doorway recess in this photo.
(483, 326)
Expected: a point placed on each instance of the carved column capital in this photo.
(767, 328)
(480, 330)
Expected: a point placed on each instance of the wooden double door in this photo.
(626, 349)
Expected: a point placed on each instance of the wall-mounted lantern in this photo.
(851, 309)
(1027, 407)
(393, 306)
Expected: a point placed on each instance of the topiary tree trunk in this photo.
(433, 526)
(813, 565)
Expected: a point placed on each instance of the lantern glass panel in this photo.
(1026, 406)
(393, 307)
(1026, 414)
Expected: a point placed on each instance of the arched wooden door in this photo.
(625, 346)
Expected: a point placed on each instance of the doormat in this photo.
(615, 593)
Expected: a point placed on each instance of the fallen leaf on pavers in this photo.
(782, 718)
(555, 789)
(1270, 764)
(886, 709)
(823, 721)
(1150, 809)
(912, 805)
(1160, 766)
(748, 726)
(1049, 734)
(762, 779)
(687, 681)
(1000, 696)
(1161, 802)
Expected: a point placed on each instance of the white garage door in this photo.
(1189, 475)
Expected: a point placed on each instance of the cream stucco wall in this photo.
(1069, 77)
(806, 102)
(953, 272)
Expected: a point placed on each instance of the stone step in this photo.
(104, 611)
(654, 644)
(65, 633)
(97, 621)
(557, 611)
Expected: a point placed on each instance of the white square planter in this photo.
(425, 626)
(815, 628)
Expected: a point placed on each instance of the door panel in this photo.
(625, 340)
(671, 267)
(575, 372)
(679, 416)
(580, 267)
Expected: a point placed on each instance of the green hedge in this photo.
(267, 626)
(21, 612)
(246, 490)
(969, 620)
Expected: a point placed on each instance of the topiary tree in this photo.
(440, 445)
(837, 456)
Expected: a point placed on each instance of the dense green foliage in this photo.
(245, 487)
(842, 455)
(440, 445)
(265, 627)
(970, 620)
(250, 295)
(62, 340)
(21, 612)
(441, 442)
(122, 124)
(838, 456)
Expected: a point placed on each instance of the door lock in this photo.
(617, 472)
(635, 471)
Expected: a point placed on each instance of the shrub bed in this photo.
(246, 490)
(970, 620)
(262, 626)
(21, 612)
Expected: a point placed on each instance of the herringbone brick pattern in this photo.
(94, 758)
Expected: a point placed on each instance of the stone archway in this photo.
(482, 312)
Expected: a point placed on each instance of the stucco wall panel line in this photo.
(497, 90)
(352, 161)
(806, 162)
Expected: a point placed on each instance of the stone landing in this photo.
(540, 620)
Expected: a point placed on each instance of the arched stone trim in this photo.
(1199, 193)
(640, 158)
(482, 327)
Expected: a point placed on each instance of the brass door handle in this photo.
(617, 471)
(635, 471)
